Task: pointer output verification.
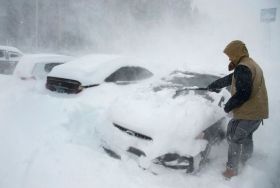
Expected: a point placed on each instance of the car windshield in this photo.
(187, 79)
(180, 80)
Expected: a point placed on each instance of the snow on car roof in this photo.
(94, 68)
(10, 48)
(27, 63)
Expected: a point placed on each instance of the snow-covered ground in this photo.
(46, 140)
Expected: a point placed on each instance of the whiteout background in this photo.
(47, 142)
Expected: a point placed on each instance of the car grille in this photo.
(132, 133)
(136, 151)
(68, 86)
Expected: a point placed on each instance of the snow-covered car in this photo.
(95, 69)
(162, 129)
(38, 66)
(9, 57)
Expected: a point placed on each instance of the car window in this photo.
(41, 70)
(38, 71)
(127, 74)
(14, 56)
(2, 54)
(48, 67)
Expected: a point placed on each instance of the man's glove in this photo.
(213, 87)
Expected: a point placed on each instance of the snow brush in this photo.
(189, 89)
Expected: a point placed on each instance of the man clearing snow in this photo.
(249, 104)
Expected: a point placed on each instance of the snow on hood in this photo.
(94, 68)
(27, 63)
(173, 124)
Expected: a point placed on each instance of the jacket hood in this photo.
(236, 50)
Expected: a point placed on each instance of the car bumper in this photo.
(171, 161)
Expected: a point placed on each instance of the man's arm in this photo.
(244, 86)
(220, 83)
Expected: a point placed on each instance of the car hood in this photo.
(173, 124)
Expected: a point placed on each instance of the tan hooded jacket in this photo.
(256, 108)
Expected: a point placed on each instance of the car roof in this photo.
(94, 68)
(43, 58)
(27, 63)
(10, 49)
(95, 61)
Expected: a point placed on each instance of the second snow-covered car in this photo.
(163, 131)
(93, 70)
(38, 66)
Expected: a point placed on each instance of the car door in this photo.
(3, 61)
(13, 58)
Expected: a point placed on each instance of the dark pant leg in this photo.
(234, 149)
(239, 135)
(247, 144)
